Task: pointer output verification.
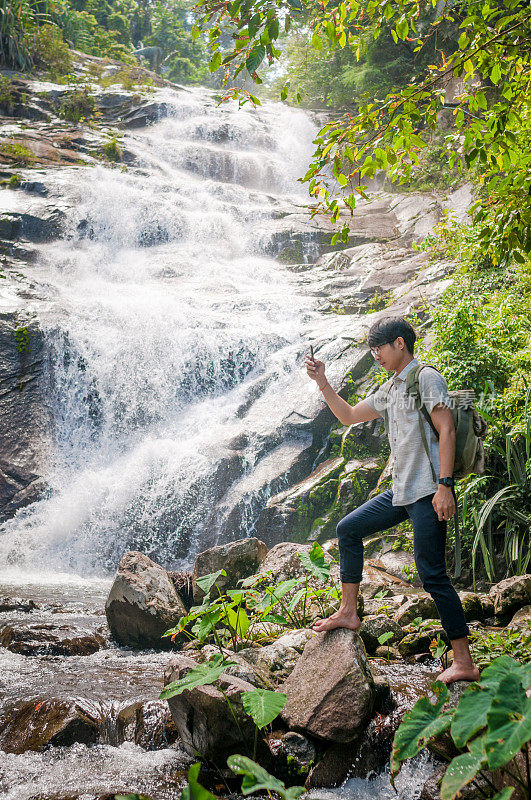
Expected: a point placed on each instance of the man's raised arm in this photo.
(347, 414)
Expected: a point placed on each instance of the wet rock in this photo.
(511, 594)
(142, 603)
(239, 559)
(522, 617)
(25, 424)
(414, 643)
(293, 755)
(52, 639)
(487, 604)
(334, 766)
(389, 606)
(144, 115)
(330, 693)
(203, 718)
(154, 726)
(472, 606)
(280, 657)
(42, 723)
(389, 653)
(420, 606)
(375, 626)
(17, 604)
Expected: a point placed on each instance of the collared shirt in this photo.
(411, 472)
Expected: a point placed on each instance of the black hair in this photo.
(388, 328)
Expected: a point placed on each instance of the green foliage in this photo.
(194, 790)
(257, 779)
(201, 675)
(487, 645)
(485, 45)
(17, 18)
(77, 106)
(16, 153)
(263, 706)
(184, 56)
(112, 150)
(6, 91)
(490, 726)
(22, 339)
(50, 51)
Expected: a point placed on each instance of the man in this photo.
(414, 494)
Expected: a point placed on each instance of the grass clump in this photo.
(77, 106)
(17, 153)
(6, 92)
(112, 150)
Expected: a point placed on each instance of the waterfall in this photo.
(165, 320)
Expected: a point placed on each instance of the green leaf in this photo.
(255, 58)
(238, 621)
(505, 794)
(194, 790)
(508, 721)
(463, 769)
(385, 637)
(215, 61)
(471, 714)
(257, 779)
(317, 42)
(424, 721)
(315, 561)
(263, 706)
(201, 675)
(206, 582)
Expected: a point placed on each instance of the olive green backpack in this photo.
(470, 430)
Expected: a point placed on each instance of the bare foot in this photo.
(340, 619)
(459, 673)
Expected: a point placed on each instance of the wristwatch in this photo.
(447, 482)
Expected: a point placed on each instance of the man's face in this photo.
(390, 355)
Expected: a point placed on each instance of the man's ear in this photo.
(400, 342)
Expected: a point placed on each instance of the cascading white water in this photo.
(163, 309)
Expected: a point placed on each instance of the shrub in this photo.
(76, 106)
(112, 150)
(15, 42)
(6, 92)
(50, 51)
(17, 153)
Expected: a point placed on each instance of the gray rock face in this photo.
(203, 717)
(330, 693)
(511, 594)
(239, 560)
(142, 603)
(24, 419)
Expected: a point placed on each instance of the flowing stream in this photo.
(172, 339)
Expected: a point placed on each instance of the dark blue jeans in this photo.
(429, 543)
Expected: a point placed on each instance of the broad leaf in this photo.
(263, 706)
(505, 794)
(206, 582)
(315, 562)
(424, 721)
(255, 58)
(194, 790)
(203, 674)
(257, 779)
(238, 621)
(463, 769)
(503, 666)
(471, 714)
(509, 722)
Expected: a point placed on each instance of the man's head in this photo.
(392, 341)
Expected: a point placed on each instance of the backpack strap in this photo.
(413, 390)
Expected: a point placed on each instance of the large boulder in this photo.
(142, 603)
(511, 594)
(522, 618)
(330, 693)
(472, 606)
(239, 560)
(206, 723)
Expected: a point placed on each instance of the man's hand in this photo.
(443, 502)
(316, 371)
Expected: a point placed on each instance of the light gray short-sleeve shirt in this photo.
(411, 471)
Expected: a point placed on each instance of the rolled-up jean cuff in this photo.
(349, 578)
(458, 634)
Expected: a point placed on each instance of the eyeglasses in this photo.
(376, 350)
